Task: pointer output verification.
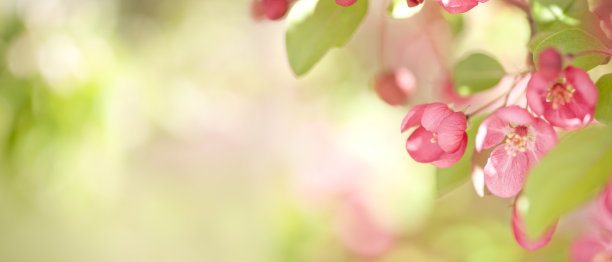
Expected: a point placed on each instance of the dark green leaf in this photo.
(603, 110)
(315, 26)
(449, 178)
(475, 73)
(568, 176)
(572, 41)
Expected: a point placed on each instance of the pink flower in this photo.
(566, 98)
(459, 6)
(520, 233)
(440, 138)
(603, 208)
(591, 248)
(345, 2)
(521, 140)
(275, 9)
(396, 87)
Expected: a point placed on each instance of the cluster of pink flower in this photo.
(556, 96)
(597, 246)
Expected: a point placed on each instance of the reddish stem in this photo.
(607, 52)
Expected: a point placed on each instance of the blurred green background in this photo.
(150, 130)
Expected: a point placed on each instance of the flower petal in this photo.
(420, 147)
(505, 173)
(459, 6)
(563, 117)
(433, 115)
(583, 84)
(537, 89)
(586, 248)
(545, 137)
(495, 127)
(451, 132)
(413, 118)
(520, 233)
(550, 64)
(449, 159)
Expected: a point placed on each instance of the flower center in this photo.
(434, 139)
(516, 141)
(560, 94)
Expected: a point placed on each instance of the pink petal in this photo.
(413, 3)
(586, 248)
(345, 2)
(495, 127)
(459, 6)
(545, 136)
(413, 118)
(520, 233)
(505, 174)
(420, 147)
(433, 115)
(583, 84)
(550, 64)
(452, 131)
(276, 9)
(563, 117)
(537, 90)
(395, 87)
(449, 159)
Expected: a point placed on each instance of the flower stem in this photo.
(607, 52)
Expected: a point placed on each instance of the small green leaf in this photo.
(565, 178)
(453, 176)
(603, 110)
(315, 26)
(475, 73)
(572, 41)
(399, 9)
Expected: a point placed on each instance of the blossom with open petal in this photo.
(566, 98)
(520, 233)
(520, 140)
(459, 6)
(440, 138)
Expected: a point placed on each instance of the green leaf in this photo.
(399, 9)
(475, 73)
(453, 176)
(603, 110)
(572, 41)
(565, 178)
(315, 26)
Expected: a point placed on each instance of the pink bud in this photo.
(413, 3)
(550, 63)
(459, 6)
(275, 9)
(258, 10)
(345, 2)
(396, 87)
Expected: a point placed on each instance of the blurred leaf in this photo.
(477, 72)
(565, 178)
(603, 110)
(315, 26)
(455, 22)
(553, 10)
(451, 177)
(572, 41)
(399, 9)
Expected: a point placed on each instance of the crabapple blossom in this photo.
(566, 98)
(396, 87)
(520, 140)
(440, 137)
(413, 3)
(458, 6)
(345, 2)
(275, 9)
(520, 233)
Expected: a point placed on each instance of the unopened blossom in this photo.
(564, 97)
(440, 137)
(275, 9)
(413, 3)
(523, 239)
(459, 6)
(395, 87)
(345, 2)
(519, 140)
